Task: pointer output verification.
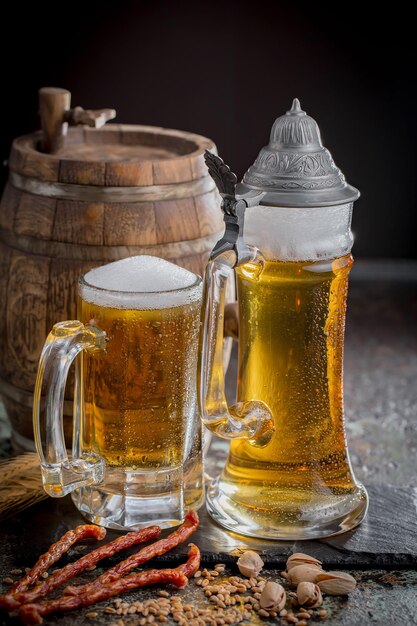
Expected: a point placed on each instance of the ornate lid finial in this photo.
(295, 108)
(295, 169)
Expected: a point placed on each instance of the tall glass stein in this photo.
(288, 474)
(137, 448)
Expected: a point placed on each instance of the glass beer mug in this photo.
(136, 452)
(288, 474)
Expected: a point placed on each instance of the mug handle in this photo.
(250, 420)
(61, 475)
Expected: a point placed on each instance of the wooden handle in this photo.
(56, 114)
(53, 103)
(89, 117)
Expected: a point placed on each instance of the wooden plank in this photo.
(25, 318)
(132, 135)
(172, 171)
(138, 173)
(107, 135)
(9, 204)
(193, 262)
(198, 165)
(35, 216)
(28, 161)
(5, 260)
(20, 417)
(74, 137)
(62, 289)
(81, 172)
(78, 222)
(130, 224)
(176, 220)
(17, 157)
(41, 166)
(209, 214)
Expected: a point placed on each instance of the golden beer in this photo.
(292, 320)
(138, 393)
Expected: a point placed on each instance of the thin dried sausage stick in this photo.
(50, 557)
(33, 613)
(180, 535)
(193, 562)
(73, 569)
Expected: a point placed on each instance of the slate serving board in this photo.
(387, 539)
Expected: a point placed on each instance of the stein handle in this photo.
(250, 420)
(61, 475)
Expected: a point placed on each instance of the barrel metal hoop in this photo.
(103, 254)
(92, 193)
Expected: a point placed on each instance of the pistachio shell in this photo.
(309, 595)
(303, 574)
(298, 558)
(250, 564)
(336, 583)
(273, 597)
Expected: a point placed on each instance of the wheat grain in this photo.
(21, 484)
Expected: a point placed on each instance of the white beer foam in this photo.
(300, 234)
(140, 282)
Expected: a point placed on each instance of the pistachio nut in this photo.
(250, 564)
(298, 558)
(309, 595)
(336, 583)
(273, 597)
(303, 574)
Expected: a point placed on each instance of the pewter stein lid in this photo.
(295, 169)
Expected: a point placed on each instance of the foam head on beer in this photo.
(142, 282)
(300, 233)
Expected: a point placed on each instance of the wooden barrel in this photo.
(105, 195)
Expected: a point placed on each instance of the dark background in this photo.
(227, 70)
